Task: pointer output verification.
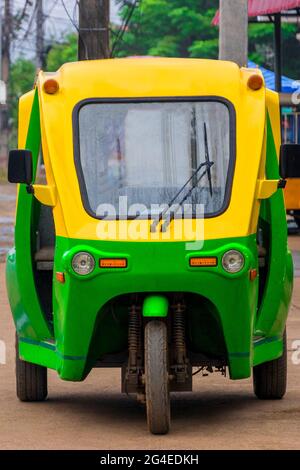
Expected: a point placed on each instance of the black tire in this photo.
(270, 378)
(31, 379)
(157, 377)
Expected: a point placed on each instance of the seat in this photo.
(44, 258)
(262, 253)
(44, 255)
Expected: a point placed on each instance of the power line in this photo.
(30, 21)
(39, 38)
(77, 29)
(124, 26)
(23, 13)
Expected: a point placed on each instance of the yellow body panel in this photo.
(45, 194)
(24, 111)
(157, 77)
(273, 107)
(25, 105)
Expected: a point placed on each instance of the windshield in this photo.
(148, 151)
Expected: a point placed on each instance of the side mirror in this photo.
(20, 166)
(290, 161)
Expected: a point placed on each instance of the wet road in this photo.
(219, 414)
(7, 205)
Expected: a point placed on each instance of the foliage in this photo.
(181, 28)
(61, 53)
(22, 75)
(261, 47)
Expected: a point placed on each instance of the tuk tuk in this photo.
(158, 242)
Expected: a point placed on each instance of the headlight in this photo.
(233, 261)
(83, 263)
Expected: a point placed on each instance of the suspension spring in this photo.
(179, 333)
(134, 334)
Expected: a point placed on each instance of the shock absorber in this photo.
(134, 342)
(179, 341)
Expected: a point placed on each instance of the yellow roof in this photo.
(146, 77)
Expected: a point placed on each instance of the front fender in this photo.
(155, 306)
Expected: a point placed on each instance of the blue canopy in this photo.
(288, 85)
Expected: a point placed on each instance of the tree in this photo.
(261, 47)
(181, 28)
(61, 53)
(22, 73)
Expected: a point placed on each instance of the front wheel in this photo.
(157, 377)
(31, 379)
(270, 378)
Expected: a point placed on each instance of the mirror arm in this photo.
(29, 189)
(282, 183)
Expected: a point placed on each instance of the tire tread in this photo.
(270, 378)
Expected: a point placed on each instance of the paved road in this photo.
(219, 414)
(7, 205)
(94, 414)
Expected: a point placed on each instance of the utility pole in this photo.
(277, 49)
(233, 31)
(5, 66)
(39, 45)
(93, 40)
(6, 37)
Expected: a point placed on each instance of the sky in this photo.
(57, 23)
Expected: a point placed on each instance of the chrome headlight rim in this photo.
(91, 259)
(240, 267)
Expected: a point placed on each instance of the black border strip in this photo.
(183, 99)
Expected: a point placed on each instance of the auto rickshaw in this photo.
(158, 242)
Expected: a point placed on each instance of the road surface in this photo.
(219, 414)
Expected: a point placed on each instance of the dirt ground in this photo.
(219, 414)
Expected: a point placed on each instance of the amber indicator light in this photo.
(253, 274)
(255, 82)
(51, 86)
(60, 277)
(113, 263)
(204, 261)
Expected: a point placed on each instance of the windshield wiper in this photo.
(196, 181)
(194, 159)
(193, 177)
(156, 222)
(173, 213)
(207, 159)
